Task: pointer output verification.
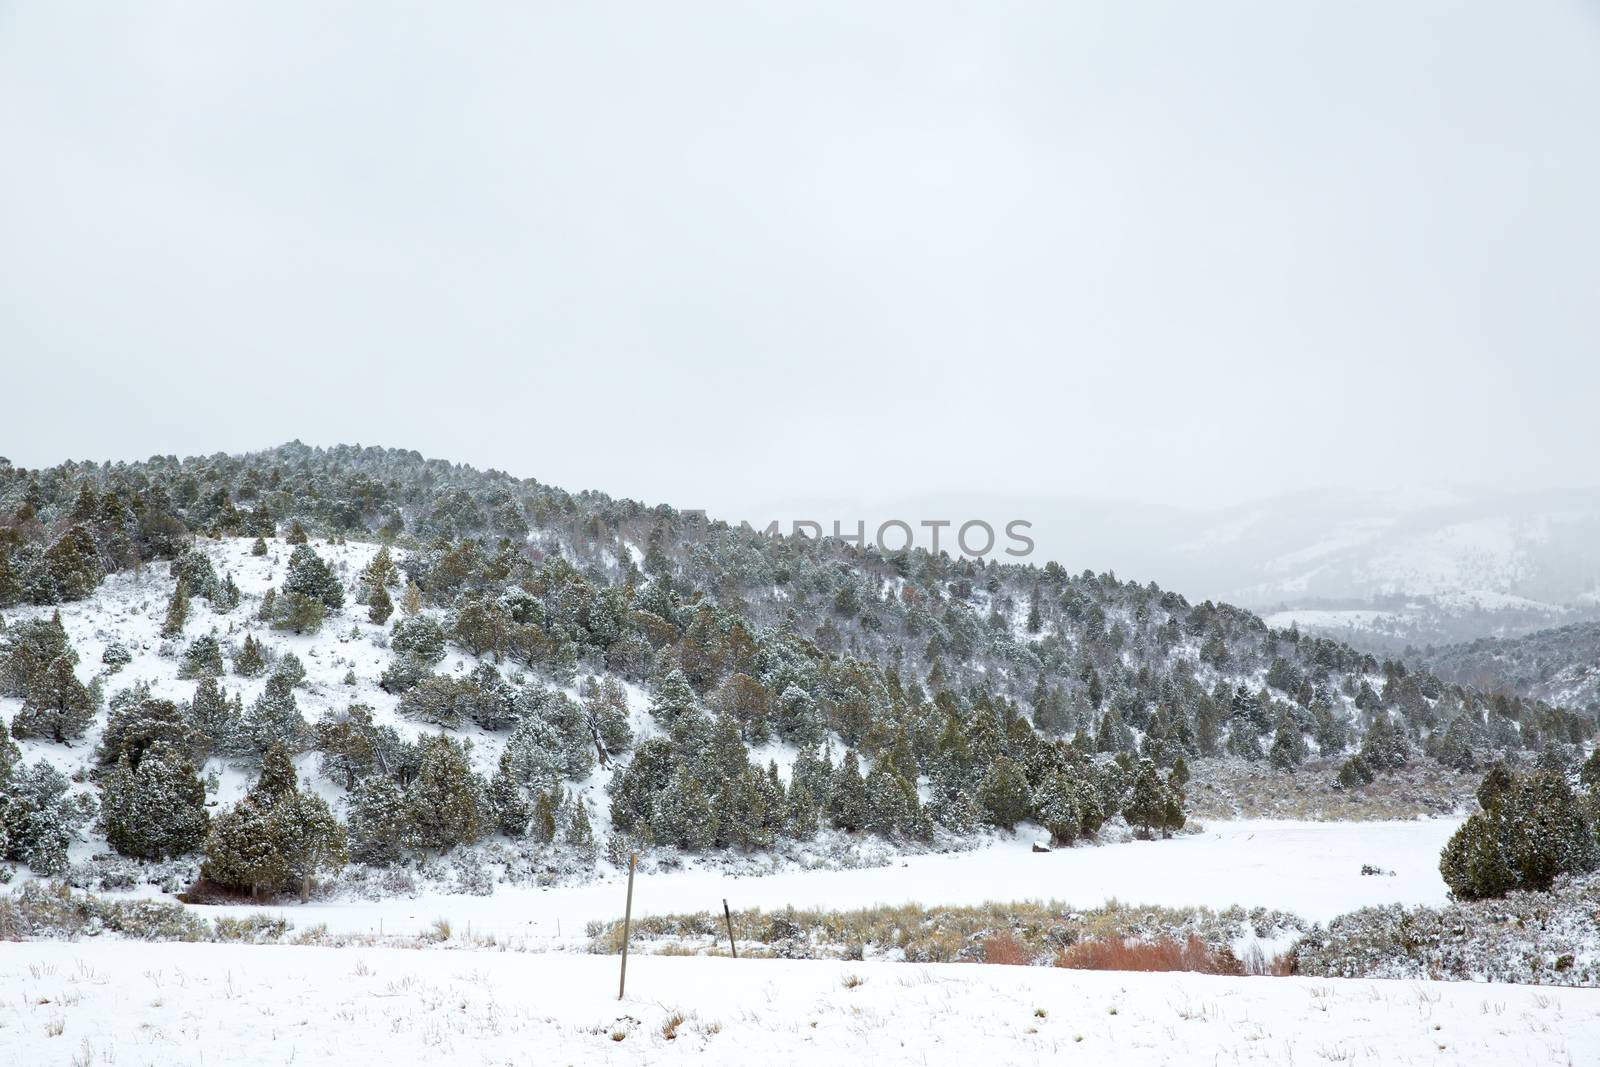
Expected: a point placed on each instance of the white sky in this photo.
(716, 253)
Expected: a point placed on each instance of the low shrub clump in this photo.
(1548, 938)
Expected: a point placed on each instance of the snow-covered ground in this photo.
(1310, 868)
(175, 1004)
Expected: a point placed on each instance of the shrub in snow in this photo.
(1525, 937)
(115, 657)
(203, 659)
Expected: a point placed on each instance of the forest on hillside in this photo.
(725, 689)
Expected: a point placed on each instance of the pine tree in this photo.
(215, 719)
(377, 808)
(580, 833)
(1288, 744)
(682, 815)
(1147, 806)
(1385, 747)
(297, 534)
(847, 795)
(58, 706)
(277, 839)
(892, 805)
(1531, 831)
(251, 662)
(177, 610)
(956, 811)
(139, 724)
(275, 719)
(203, 659)
(802, 810)
(444, 804)
(156, 811)
(1060, 806)
(1354, 773)
(672, 698)
(311, 578)
(1003, 794)
(39, 819)
(379, 606)
(1590, 774)
(546, 807)
(507, 801)
(259, 547)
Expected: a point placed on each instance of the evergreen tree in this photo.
(311, 578)
(847, 795)
(507, 800)
(58, 706)
(672, 698)
(377, 807)
(1590, 774)
(251, 662)
(1385, 747)
(956, 810)
(275, 719)
(580, 833)
(444, 804)
(203, 659)
(39, 818)
(1288, 744)
(379, 606)
(1354, 773)
(1004, 795)
(546, 809)
(1531, 831)
(157, 810)
(177, 610)
(138, 724)
(216, 720)
(1148, 806)
(892, 805)
(277, 839)
(682, 814)
(259, 547)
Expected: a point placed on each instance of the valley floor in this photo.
(1312, 869)
(131, 1004)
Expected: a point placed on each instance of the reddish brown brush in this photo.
(1003, 948)
(1165, 954)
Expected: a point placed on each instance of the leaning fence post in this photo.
(627, 922)
(726, 914)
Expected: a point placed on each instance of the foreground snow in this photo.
(1310, 868)
(177, 1004)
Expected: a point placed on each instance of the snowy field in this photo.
(175, 1005)
(1311, 868)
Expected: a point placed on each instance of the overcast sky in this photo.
(716, 253)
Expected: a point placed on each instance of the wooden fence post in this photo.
(627, 923)
(727, 915)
